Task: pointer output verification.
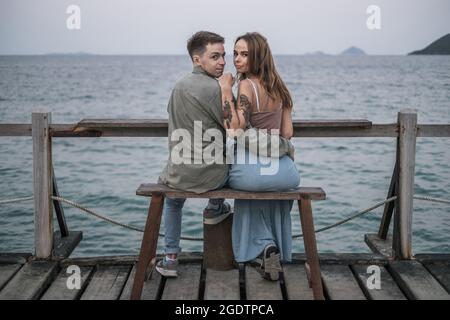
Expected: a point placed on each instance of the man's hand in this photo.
(226, 80)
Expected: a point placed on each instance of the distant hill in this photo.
(316, 53)
(69, 54)
(440, 46)
(353, 51)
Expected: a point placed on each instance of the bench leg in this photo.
(309, 239)
(149, 244)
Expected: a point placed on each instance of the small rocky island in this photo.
(353, 51)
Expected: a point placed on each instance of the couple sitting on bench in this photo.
(202, 103)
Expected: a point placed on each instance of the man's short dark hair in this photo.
(198, 42)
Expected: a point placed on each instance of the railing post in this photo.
(406, 159)
(43, 186)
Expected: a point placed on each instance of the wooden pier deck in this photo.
(344, 276)
(110, 278)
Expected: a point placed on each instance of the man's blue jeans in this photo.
(173, 208)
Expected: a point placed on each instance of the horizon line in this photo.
(185, 54)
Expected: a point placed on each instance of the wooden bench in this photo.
(158, 192)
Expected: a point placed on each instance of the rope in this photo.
(352, 217)
(432, 199)
(16, 200)
(76, 205)
(360, 213)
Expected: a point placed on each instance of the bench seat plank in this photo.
(296, 194)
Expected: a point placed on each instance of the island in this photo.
(440, 46)
(353, 51)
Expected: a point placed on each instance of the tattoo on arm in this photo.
(227, 114)
(245, 107)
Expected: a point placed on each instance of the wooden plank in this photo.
(375, 131)
(105, 261)
(118, 123)
(161, 123)
(151, 286)
(30, 281)
(441, 271)
(71, 131)
(63, 247)
(379, 246)
(185, 286)
(65, 131)
(7, 271)
(258, 288)
(433, 257)
(388, 288)
(406, 155)
(14, 258)
(59, 289)
(222, 285)
(183, 257)
(343, 258)
(300, 131)
(340, 283)
(416, 282)
(15, 130)
(158, 128)
(296, 282)
(197, 257)
(43, 185)
(433, 130)
(312, 193)
(107, 283)
(342, 123)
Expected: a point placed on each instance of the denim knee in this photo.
(174, 203)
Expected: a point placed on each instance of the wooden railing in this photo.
(405, 130)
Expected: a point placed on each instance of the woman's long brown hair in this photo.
(262, 65)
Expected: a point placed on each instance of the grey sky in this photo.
(162, 27)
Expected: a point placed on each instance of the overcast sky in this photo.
(162, 27)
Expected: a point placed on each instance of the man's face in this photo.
(212, 60)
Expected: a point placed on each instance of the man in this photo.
(195, 107)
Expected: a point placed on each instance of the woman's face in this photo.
(241, 56)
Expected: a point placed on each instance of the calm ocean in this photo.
(103, 173)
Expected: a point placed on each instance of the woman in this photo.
(262, 228)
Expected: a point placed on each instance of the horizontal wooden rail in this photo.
(159, 128)
(15, 130)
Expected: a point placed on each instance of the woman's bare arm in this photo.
(232, 118)
(244, 104)
(287, 129)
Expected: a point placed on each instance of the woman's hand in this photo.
(226, 80)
